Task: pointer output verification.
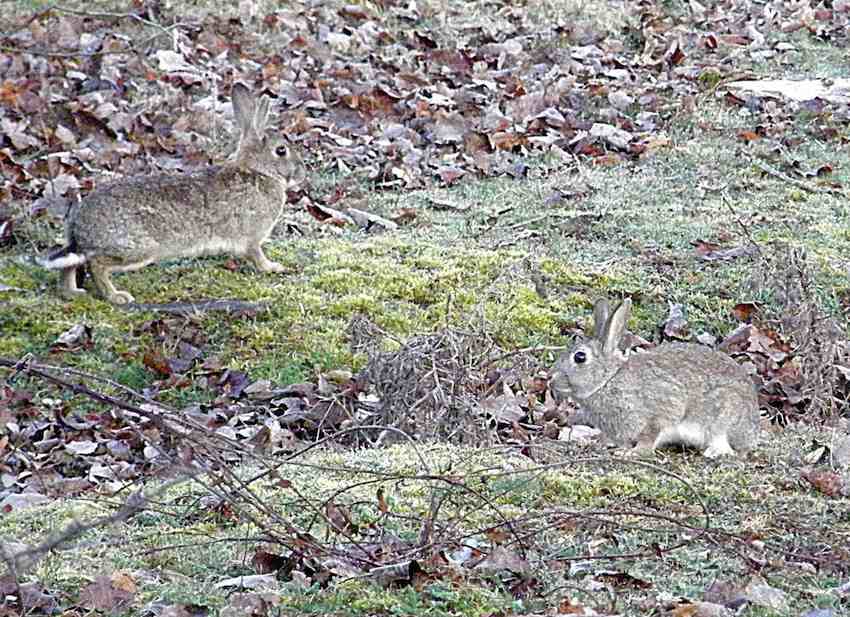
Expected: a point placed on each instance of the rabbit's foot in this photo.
(120, 297)
(68, 284)
(273, 266)
(101, 271)
(263, 263)
(642, 448)
(718, 446)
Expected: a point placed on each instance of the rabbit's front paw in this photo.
(640, 450)
(68, 284)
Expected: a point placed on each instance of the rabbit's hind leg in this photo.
(101, 270)
(68, 283)
(718, 445)
(684, 433)
(260, 261)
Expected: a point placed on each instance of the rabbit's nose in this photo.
(557, 385)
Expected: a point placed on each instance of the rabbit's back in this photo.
(218, 209)
(695, 367)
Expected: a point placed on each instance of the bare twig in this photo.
(20, 562)
(805, 186)
(744, 229)
(184, 309)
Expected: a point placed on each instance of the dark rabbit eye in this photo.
(281, 151)
(580, 357)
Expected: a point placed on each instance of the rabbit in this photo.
(230, 208)
(676, 393)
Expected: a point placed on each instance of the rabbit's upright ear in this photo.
(261, 116)
(243, 108)
(600, 317)
(615, 328)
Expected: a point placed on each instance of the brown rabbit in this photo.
(676, 393)
(231, 208)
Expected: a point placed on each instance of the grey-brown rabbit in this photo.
(676, 393)
(230, 208)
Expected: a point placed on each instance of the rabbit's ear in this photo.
(600, 317)
(261, 116)
(243, 108)
(615, 327)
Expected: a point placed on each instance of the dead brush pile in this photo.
(808, 374)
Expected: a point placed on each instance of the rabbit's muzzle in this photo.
(559, 387)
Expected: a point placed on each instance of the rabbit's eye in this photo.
(281, 151)
(580, 357)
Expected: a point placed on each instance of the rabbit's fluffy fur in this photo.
(676, 393)
(230, 208)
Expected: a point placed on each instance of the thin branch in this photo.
(805, 186)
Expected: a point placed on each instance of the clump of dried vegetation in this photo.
(810, 376)
(432, 387)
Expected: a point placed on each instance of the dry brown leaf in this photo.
(104, 595)
(829, 483)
